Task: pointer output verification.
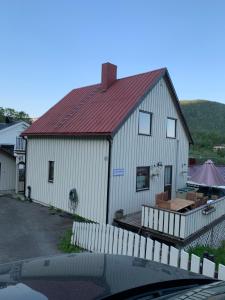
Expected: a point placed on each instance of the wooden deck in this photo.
(130, 221)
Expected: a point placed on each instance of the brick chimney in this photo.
(109, 75)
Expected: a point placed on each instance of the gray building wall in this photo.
(7, 173)
(130, 150)
(80, 164)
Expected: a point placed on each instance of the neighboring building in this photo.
(118, 143)
(11, 142)
(7, 171)
(218, 147)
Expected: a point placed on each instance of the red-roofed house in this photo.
(117, 143)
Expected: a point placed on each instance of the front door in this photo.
(168, 180)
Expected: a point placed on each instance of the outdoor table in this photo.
(178, 204)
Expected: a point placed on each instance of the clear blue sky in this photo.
(49, 47)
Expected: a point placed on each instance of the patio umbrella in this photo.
(208, 174)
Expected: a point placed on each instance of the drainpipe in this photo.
(25, 179)
(177, 161)
(109, 139)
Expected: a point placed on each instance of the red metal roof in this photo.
(93, 111)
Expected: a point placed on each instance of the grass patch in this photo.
(78, 218)
(219, 253)
(65, 245)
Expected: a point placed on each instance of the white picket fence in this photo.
(109, 239)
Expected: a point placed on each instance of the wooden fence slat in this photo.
(156, 219)
(125, 240)
(182, 227)
(195, 263)
(161, 215)
(107, 239)
(142, 215)
(171, 223)
(146, 216)
(130, 243)
(208, 268)
(115, 240)
(184, 259)
(156, 255)
(221, 272)
(73, 235)
(96, 237)
(102, 249)
(174, 256)
(93, 237)
(177, 225)
(142, 247)
(149, 249)
(111, 231)
(166, 222)
(165, 254)
(120, 241)
(90, 236)
(99, 238)
(151, 217)
(136, 244)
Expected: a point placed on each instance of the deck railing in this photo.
(182, 225)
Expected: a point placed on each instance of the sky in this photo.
(48, 48)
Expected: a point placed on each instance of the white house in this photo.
(117, 143)
(11, 142)
(7, 171)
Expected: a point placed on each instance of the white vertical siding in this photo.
(130, 150)
(80, 164)
(7, 173)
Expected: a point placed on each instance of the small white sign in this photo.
(118, 172)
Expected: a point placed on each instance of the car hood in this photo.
(82, 276)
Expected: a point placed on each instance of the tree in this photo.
(13, 114)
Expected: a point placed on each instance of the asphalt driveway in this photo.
(28, 230)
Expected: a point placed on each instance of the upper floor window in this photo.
(171, 129)
(51, 171)
(145, 123)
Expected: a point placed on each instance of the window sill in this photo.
(50, 181)
(169, 137)
(144, 134)
(146, 189)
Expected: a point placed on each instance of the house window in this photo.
(145, 123)
(171, 128)
(50, 171)
(142, 178)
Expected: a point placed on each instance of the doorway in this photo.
(168, 173)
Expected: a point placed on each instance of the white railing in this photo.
(109, 239)
(181, 225)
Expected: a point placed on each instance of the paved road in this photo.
(28, 230)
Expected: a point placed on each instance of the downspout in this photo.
(109, 139)
(177, 160)
(25, 179)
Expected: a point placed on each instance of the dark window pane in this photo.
(144, 123)
(51, 171)
(142, 178)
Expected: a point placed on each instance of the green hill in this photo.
(206, 120)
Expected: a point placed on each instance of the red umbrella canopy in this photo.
(208, 174)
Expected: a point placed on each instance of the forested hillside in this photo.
(206, 120)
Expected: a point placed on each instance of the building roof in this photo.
(6, 125)
(94, 111)
(7, 153)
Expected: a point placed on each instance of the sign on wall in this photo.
(118, 172)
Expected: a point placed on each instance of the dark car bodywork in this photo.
(86, 276)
